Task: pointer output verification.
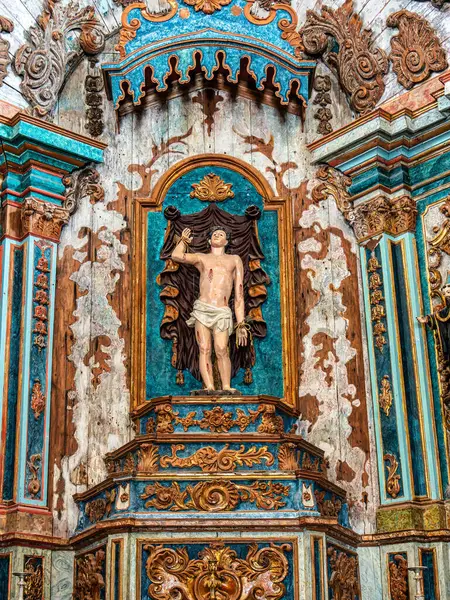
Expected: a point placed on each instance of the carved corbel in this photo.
(359, 64)
(52, 49)
(6, 26)
(43, 218)
(416, 51)
(80, 184)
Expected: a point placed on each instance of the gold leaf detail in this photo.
(212, 189)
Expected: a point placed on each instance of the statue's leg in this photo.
(203, 337)
(221, 339)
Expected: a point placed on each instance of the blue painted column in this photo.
(401, 383)
(36, 158)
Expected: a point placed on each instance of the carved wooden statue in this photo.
(213, 268)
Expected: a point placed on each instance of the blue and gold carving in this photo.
(147, 44)
(33, 566)
(343, 573)
(90, 575)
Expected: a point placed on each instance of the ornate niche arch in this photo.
(145, 272)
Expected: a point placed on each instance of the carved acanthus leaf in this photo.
(398, 577)
(7, 26)
(89, 576)
(393, 480)
(52, 50)
(360, 65)
(80, 184)
(344, 577)
(416, 51)
(43, 218)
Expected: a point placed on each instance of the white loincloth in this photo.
(212, 317)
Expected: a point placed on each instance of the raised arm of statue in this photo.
(239, 303)
(179, 253)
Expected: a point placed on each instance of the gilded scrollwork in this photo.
(37, 399)
(378, 312)
(416, 51)
(209, 459)
(217, 420)
(148, 458)
(43, 218)
(34, 482)
(34, 578)
(97, 509)
(52, 48)
(393, 478)
(215, 496)
(398, 577)
(360, 65)
(288, 457)
(217, 572)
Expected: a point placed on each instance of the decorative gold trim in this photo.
(212, 189)
(393, 480)
(385, 396)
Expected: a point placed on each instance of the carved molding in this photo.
(416, 51)
(215, 496)
(385, 395)
(217, 572)
(43, 219)
(89, 578)
(359, 64)
(52, 50)
(6, 26)
(393, 480)
(322, 85)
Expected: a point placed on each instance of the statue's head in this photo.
(219, 237)
(446, 290)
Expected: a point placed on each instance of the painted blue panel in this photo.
(117, 582)
(13, 374)
(429, 574)
(319, 589)
(407, 362)
(5, 566)
(242, 550)
(383, 358)
(268, 370)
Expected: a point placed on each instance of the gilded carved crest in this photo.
(217, 572)
(212, 189)
(416, 51)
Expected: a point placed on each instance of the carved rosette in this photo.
(43, 219)
(209, 459)
(416, 51)
(34, 482)
(359, 64)
(52, 49)
(383, 215)
(34, 578)
(7, 26)
(217, 572)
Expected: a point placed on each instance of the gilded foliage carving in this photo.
(101, 507)
(148, 455)
(360, 65)
(89, 576)
(288, 457)
(393, 479)
(93, 86)
(209, 459)
(328, 507)
(416, 51)
(34, 578)
(385, 395)
(378, 312)
(207, 6)
(37, 399)
(344, 579)
(217, 420)
(46, 59)
(7, 26)
(398, 577)
(34, 483)
(217, 572)
(334, 184)
(212, 189)
(215, 496)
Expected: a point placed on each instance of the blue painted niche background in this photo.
(268, 370)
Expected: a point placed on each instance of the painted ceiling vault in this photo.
(225, 300)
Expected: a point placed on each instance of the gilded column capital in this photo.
(369, 219)
(43, 219)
